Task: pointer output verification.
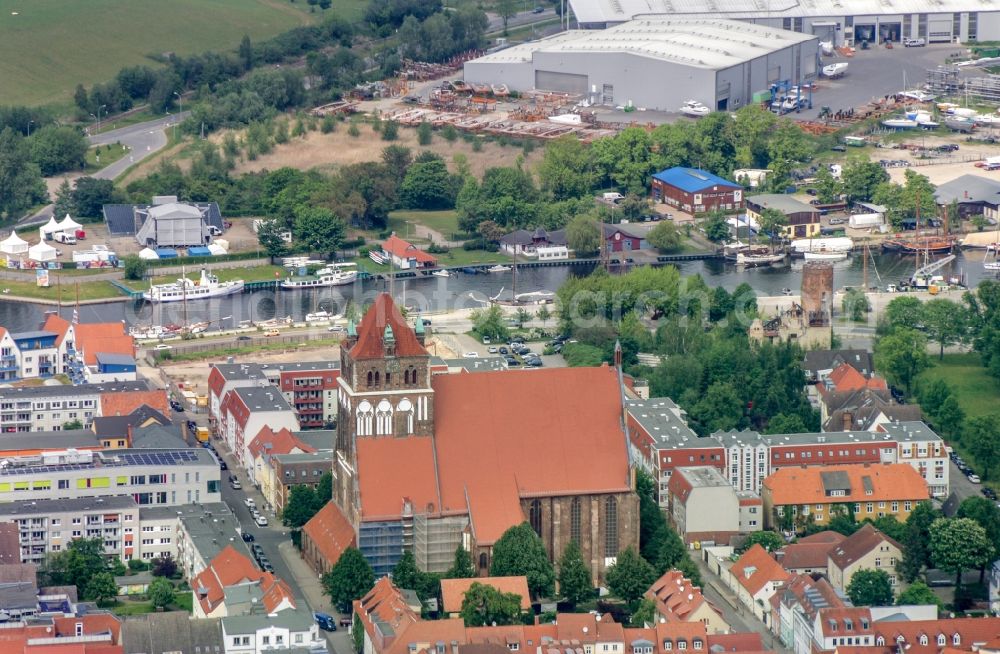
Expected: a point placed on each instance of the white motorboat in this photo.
(752, 260)
(567, 119)
(835, 70)
(695, 109)
(536, 297)
(339, 274)
(322, 316)
(441, 273)
(833, 244)
(917, 95)
(378, 257)
(498, 269)
(825, 256)
(826, 47)
(960, 123)
(148, 332)
(964, 112)
(184, 289)
(900, 123)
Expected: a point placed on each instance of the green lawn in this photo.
(444, 222)
(50, 46)
(100, 156)
(183, 601)
(66, 291)
(974, 389)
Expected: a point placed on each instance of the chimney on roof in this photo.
(848, 421)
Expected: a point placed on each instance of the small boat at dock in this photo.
(498, 269)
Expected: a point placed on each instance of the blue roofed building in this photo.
(116, 364)
(693, 190)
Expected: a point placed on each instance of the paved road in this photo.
(142, 139)
(520, 19)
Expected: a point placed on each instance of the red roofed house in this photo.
(809, 554)
(848, 625)
(866, 549)
(92, 353)
(755, 577)
(937, 636)
(233, 585)
(266, 443)
(124, 403)
(449, 457)
(325, 537)
(245, 411)
(795, 607)
(678, 600)
(96, 633)
(405, 255)
(453, 591)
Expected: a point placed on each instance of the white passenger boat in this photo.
(185, 290)
(694, 109)
(339, 274)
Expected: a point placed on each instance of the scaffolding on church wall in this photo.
(435, 541)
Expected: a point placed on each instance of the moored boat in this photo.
(754, 260)
(184, 289)
(498, 269)
(441, 273)
(920, 245)
(825, 256)
(339, 274)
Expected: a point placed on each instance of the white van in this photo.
(63, 237)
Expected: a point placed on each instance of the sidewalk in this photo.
(305, 579)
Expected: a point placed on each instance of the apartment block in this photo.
(48, 408)
(148, 477)
(202, 535)
(160, 526)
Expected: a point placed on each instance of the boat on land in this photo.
(755, 260)
(498, 269)
(322, 316)
(835, 70)
(339, 274)
(183, 290)
(900, 123)
(825, 256)
(920, 245)
(378, 257)
(960, 123)
(536, 297)
(694, 109)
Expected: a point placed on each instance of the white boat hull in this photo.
(900, 123)
(159, 295)
(825, 256)
(292, 284)
(498, 269)
(758, 259)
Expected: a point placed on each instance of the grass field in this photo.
(443, 222)
(91, 290)
(50, 46)
(108, 155)
(975, 390)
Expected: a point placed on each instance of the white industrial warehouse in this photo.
(841, 21)
(656, 63)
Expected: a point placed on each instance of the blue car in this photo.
(326, 622)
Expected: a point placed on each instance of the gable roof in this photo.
(453, 590)
(405, 250)
(811, 595)
(330, 531)
(859, 483)
(756, 568)
(282, 441)
(971, 632)
(786, 204)
(371, 332)
(967, 189)
(228, 568)
(846, 377)
(160, 633)
(845, 621)
(817, 360)
(676, 596)
(392, 471)
(692, 180)
(801, 556)
(858, 544)
(122, 403)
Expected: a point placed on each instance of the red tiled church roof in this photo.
(371, 332)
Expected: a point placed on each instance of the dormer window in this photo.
(682, 644)
(697, 643)
(880, 642)
(956, 639)
(667, 645)
(513, 646)
(923, 639)
(941, 640)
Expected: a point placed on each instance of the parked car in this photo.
(989, 492)
(839, 148)
(235, 484)
(914, 43)
(163, 346)
(249, 502)
(534, 363)
(838, 221)
(492, 350)
(261, 521)
(267, 567)
(538, 10)
(503, 350)
(335, 328)
(272, 332)
(471, 355)
(486, 340)
(243, 338)
(511, 361)
(325, 622)
(176, 406)
(974, 478)
(223, 466)
(247, 537)
(257, 550)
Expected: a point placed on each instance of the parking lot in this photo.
(875, 73)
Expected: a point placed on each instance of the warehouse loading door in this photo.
(546, 80)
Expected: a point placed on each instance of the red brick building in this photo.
(695, 191)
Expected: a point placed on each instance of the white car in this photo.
(914, 43)
(492, 350)
(974, 479)
(471, 355)
(163, 346)
(261, 521)
(335, 328)
(249, 502)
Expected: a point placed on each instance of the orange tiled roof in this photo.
(799, 556)
(56, 324)
(738, 642)
(124, 403)
(394, 470)
(858, 544)
(406, 250)
(675, 596)
(330, 531)
(453, 590)
(276, 592)
(228, 568)
(970, 631)
(282, 441)
(755, 568)
(371, 332)
(895, 481)
(846, 378)
(834, 621)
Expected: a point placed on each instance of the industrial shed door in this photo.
(546, 80)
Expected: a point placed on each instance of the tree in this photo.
(544, 314)
(979, 435)
(567, 170)
(64, 200)
(349, 579)
(918, 594)
(945, 322)
(318, 229)
(916, 541)
(300, 507)
(75, 565)
(575, 583)
(269, 235)
(891, 527)
(462, 567)
(91, 194)
(160, 592)
(246, 53)
(828, 188)
(425, 133)
(519, 551)
(861, 177)
(950, 418)
(901, 356)
(985, 513)
(70, 425)
(405, 573)
(870, 587)
(645, 614)
(720, 408)
(101, 587)
(390, 130)
(490, 323)
(583, 235)
(856, 304)
(21, 183)
(769, 540)
(959, 544)
(506, 9)
(164, 566)
(135, 267)
(428, 186)
(716, 228)
(630, 576)
(771, 221)
(484, 605)
(57, 149)
(665, 237)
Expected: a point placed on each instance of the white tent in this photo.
(69, 225)
(13, 244)
(216, 249)
(42, 252)
(148, 254)
(49, 228)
